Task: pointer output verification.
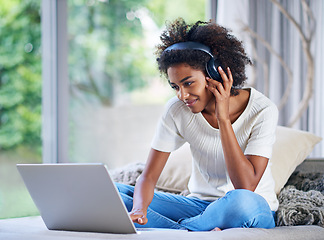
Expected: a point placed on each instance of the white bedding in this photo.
(33, 228)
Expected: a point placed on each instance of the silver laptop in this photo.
(76, 197)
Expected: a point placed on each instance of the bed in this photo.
(299, 185)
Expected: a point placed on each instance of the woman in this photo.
(230, 130)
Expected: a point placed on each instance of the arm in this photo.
(144, 188)
(245, 172)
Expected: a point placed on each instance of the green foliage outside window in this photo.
(20, 73)
(105, 48)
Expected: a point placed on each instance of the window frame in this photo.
(55, 89)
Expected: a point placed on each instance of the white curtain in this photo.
(274, 44)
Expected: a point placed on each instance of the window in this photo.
(116, 92)
(79, 85)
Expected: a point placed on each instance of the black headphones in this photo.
(211, 65)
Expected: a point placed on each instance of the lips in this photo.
(190, 103)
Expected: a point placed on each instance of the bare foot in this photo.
(216, 229)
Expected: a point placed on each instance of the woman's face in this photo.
(190, 86)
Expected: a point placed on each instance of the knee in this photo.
(251, 208)
(244, 203)
(125, 189)
(243, 197)
(126, 194)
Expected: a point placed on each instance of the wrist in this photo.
(223, 121)
(139, 210)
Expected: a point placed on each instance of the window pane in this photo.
(116, 92)
(20, 101)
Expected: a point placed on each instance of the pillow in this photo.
(290, 149)
(176, 173)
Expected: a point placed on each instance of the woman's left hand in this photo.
(222, 93)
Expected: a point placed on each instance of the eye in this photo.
(174, 87)
(187, 84)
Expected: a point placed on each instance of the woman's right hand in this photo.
(138, 216)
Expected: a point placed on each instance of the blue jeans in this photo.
(237, 209)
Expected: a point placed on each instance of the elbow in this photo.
(247, 185)
(250, 188)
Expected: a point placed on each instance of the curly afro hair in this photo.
(227, 49)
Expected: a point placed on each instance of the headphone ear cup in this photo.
(211, 68)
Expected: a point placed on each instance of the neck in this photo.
(210, 108)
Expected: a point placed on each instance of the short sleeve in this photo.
(167, 137)
(263, 133)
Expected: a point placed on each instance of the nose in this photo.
(182, 94)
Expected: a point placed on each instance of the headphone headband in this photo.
(189, 45)
(211, 65)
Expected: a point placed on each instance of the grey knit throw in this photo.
(301, 202)
(128, 174)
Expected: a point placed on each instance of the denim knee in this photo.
(125, 189)
(251, 208)
(245, 202)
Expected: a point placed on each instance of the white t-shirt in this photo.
(255, 133)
